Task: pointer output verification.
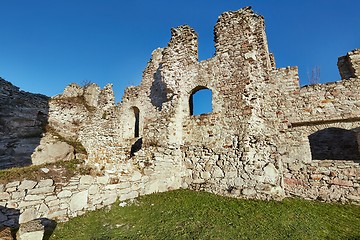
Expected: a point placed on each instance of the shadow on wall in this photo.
(158, 90)
(10, 228)
(23, 117)
(136, 147)
(9, 221)
(334, 144)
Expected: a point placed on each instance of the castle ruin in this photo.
(266, 137)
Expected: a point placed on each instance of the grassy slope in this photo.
(184, 214)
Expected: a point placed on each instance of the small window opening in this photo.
(334, 144)
(137, 121)
(200, 101)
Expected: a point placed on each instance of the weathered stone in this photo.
(86, 180)
(43, 208)
(103, 180)
(34, 197)
(110, 199)
(118, 186)
(42, 190)
(18, 194)
(4, 196)
(59, 214)
(341, 182)
(271, 173)
(52, 150)
(136, 176)
(64, 194)
(12, 184)
(93, 189)
(28, 215)
(128, 196)
(45, 183)
(78, 201)
(249, 192)
(218, 172)
(24, 204)
(35, 229)
(27, 184)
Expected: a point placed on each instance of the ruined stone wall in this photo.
(23, 201)
(265, 138)
(318, 143)
(253, 143)
(23, 117)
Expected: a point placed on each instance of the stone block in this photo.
(271, 173)
(18, 194)
(121, 185)
(34, 197)
(24, 204)
(93, 189)
(35, 229)
(86, 180)
(136, 176)
(103, 179)
(128, 196)
(4, 196)
(110, 199)
(43, 208)
(218, 172)
(45, 183)
(42, 190)
(12, 184)
(64, 194)
(27, 184)
(79, 201)
(28, 215)
(341, 182)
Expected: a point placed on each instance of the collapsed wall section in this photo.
(349, 65)
(319, 145)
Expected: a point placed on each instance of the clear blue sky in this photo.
(48, 44)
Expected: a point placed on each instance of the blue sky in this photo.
(48, 44)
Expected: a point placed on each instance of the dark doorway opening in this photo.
(334, 144)
(137, 122)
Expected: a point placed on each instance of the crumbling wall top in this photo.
(349, 65)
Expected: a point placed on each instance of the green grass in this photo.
(184, 214)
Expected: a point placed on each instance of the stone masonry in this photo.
(266, 137)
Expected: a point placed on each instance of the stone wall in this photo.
(23, 201)
(23, 117)
(255, 139)
(266, 137)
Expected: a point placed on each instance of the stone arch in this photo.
(200, 101)
(132, 123)
(334, 143)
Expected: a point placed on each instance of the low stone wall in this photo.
(23, 201)
(326, 180)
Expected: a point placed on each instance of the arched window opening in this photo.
(334, 144)
(200, 101)
(137, 122)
